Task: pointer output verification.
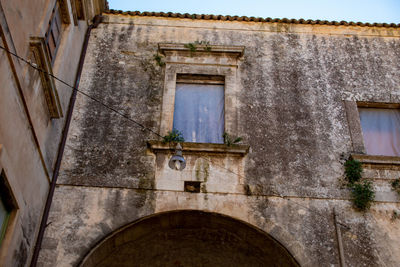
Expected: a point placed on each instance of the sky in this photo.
(349, 10)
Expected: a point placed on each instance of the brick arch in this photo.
(189, 238)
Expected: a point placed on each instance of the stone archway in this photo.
(189, 238)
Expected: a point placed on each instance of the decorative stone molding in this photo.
(74, 7)
(191, 148)
(378, 162)
(80, 12)
(236, 51)
(205, 60)
(365, 104)
(42, 59)
(217, 167)
(64, 11)
(353, 120)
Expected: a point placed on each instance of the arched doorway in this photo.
(189, 238)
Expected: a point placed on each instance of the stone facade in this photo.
(32, 109)
(291, 92)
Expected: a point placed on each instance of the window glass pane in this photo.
(4, 213)
(199, 112)
(381, 130)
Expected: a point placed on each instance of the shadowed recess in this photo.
(189, 238)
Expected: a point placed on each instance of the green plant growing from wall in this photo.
(362, 192)
(396, 185)
(206, 45)
(353, 170)
(230, 140)
(363, 195)
(159, 59)
(193, 46)
(173, 136)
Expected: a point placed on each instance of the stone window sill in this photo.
(193, 148)
(378, 162)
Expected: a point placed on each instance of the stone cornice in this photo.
(233, 50)
(250, 19)
(158, 146)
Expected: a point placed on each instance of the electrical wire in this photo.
(33, 65)
(136, 122)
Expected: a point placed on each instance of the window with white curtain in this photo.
(199, 109)
(381, 130)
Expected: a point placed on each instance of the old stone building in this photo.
(33, 106)
(293, 90)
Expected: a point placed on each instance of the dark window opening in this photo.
(6, 205)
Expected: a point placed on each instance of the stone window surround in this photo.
(64, 11)
(78, 9)
(42, 59)
(206, 60)
(359, 152)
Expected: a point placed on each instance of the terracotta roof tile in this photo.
(245, 18)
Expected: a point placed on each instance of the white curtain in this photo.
(199, 112)
(381, 130)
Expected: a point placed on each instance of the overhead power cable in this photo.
(33, 65)
(134, 121)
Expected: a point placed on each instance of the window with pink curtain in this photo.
(381, 130)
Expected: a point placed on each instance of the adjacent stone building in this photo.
(49, 35)
(293, 90)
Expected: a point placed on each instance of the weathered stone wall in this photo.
(29, 138)
(291, 84)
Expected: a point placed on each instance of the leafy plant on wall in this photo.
(159, 59)
(230, 140)
(396, 185)
(173, 136)
(361, 191)
(193, 46)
